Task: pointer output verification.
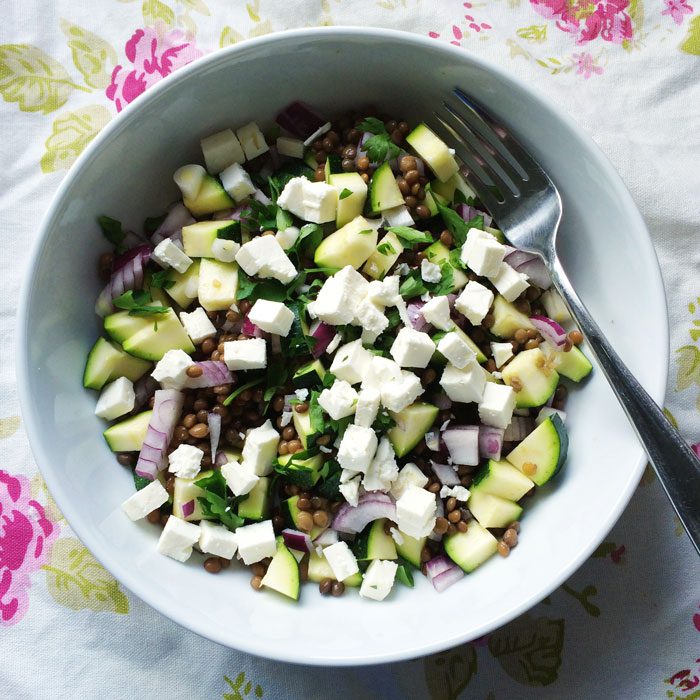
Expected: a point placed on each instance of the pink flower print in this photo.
(585, 65)
(26, 536)
(677, 9)
(152, 56)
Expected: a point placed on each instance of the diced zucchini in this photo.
(373, 543)
(333, 166)
(186, 490)
(320, 569)
(446, 190)
(186, 285)
(507, 319)
(302, 424)
(303, 473)
(290, 510)
(128, 435)
(544, 449)
(439, 253)
(309, 375)
(350, 205)
(410, 549)
(210, 198)
(107, 361)
(472, 548)
(384, 193)
(493, 511)
(384, 256)
(411, 426)
(350, 245)
(429, 200)
(532, 378)
(573, 365)
(501, 479)
(283, 573)
(439, 357)
(434, 151)
(257, 505)
(218, 284)
(197, 239)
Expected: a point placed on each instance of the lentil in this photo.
(337, 589)
(126, 459)
(454, 516)
(510, 537)
(212, 565)
(305, 521)
(576, 337)
(256, 583)
(503, 548)
(325, 586)
(200, 430)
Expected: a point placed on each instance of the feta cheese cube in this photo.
(333, 345)
(458, 492)
(430, 272)
(464, 385)
(502, 352)
(474, 302)
(497, 405)
(437, 313)
(351, 490)
(185, 461)
(301, 394)
(347, 474)
(291, 147)
(217, 540)
(382, 472)
(397, 395)
(339, 401)
(384, 292)
(177, 538)
(351, 362)
(370, 317)
(310, 201)
(224, 250)
(221, 150)
(455, 350)
(288, 237)
(378, 580)
(474, 236)
(260, 449)
(398, 216)
(357, 448)
(252, 140)
(271, 316)
(380, 370)
(145, 501)
(336, 300)
(410, 475)
(256, 542)
(197, 325)
(240, 478)
(341, 560)
(236, 181)
(245, 354)
(367, 407)
(415, 512)
(485, 256)
(510, 283)
(171, 369)
(116, 399)
(263, 256)
(167, 254)
(411, 348)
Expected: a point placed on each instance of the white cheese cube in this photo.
(474, 302)
(177, 538)
(458, 492)
(437, 313)
(280, 268)
(221, 150)
(317, 134)
(384, 292)
(291, 147)
(217, 540)
(367, 407)
(474, 235)
(339, 401)
(351, 490)
(256, 542)
(351, 362)
(415, 512)
(497, 405)
(291, 198)
(288, 237)
(252, 140)
(185, 461)
(167, 254)
(430, 272)
(263, 256)
(171, 369)
(379, 371)
(240, 478)
(116, 399)
(145, 501)
(271, 316)
(410, 475)
(455, 350)
(320, 202)
(382, 472)
(224, 250)
(260, 448)
(411, 348)
(502, 352)
(398, 216)
(336, 301)
(378, 580)
(236, 181)
(510, 283)
(197, 325)
(485, 256)
(347, 474)
(371, 318)
(357, 448)
(397, 395)
(464, 385)
(245, 354)
(341, 560)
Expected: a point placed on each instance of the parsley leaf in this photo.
(476, 222)
(345, 193)
(383, 422)
(260, 217)
(330, 486)
(412, 286)
(276, 377)
(379, 147)
(444, 286)
(138, 304)
(112, 230)
(248, 288)
(216, 502)
(151, 224)
(161, 280)
(386, 249)
(310, 235)
(456, 225)
(241, 389)
(455, 259)
(277, 182)
(409, 237)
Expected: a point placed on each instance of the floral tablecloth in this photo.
(627, 625)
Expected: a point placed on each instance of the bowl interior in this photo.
(127, 173)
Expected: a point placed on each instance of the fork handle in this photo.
(674, 462)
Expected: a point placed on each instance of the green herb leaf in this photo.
(372, 124)
(366, 231)
(316, 414)
(383, 422)
(409, 237)
(455, 259)
(112, 230)
(456, 225)
(345, 193)
(476, 222)
(310, 235)
(444, 286)
(251, 289)
(277, 182)
(161, 280)
(276, 377)
(239, 390)
(379, 147)
(151, 224)
(386, 249)
(217, 503)
(412, 286)
(138, 303)
(330, 486)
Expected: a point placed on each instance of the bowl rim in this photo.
(128, 577)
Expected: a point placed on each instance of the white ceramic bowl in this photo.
(127, 173)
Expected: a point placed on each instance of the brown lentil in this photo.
(212, 565)
(294, 446)
(532, 344)
(403, 186)
(520, 335)
(325, 586)
(441, 525)
(288, 433)
(225, 563)
(503, 548)
(181, 433)
(425, 554)
(301, 407)
(257, 569)
(282, 448)
(200, 430)
(407, 163)
(256, 582)
(454, 516)
(153, 517)
(304, 504)
(576, 337)
(126, 459)
(510, 537)
(320, 518)
(422, 211)
(434, 487)
(462, 526)
(208, 346)
(451, 504)
(411, 201)
(305, 521)
(323, 440)
(278, 404)
(337, 589)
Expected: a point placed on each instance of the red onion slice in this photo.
(166, 412)
(323, 333)
(435, 566)
(250, 329)
(127, 274)
(550, 330)
(214, 423)
(300, 120)
(446, 474)
(490, 442)
(447, 578)
(516, 257)
(371, 506)
(442, 401)
(294, 539)
(214, 373)
(536, 272)
(468, 213)
(188, 508)
(462, 443)
(696, 448)
(177, 217)
(414, 309)
(221, 459)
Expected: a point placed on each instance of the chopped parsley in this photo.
(386, 249)
(379, 147)
(161, 280)
(230, 232)
(345, 193)
(456, 225)
(151, 224)
(138, 303)
(253, 289)
(112, 230)
(216, 502)
(414, 285)
(409, 237)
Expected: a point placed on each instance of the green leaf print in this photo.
(688, 367)
(691, 44)
(536, 33)
(155, 11)
(93, 56)
(8, 426)
(449, 673)
(529, 650)
(33, 79)
(76, 580)
(242, 689)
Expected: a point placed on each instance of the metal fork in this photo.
(524, 201)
